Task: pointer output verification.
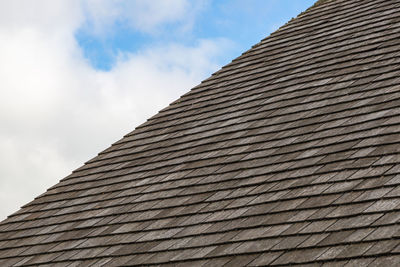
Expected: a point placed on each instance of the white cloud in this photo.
(142, 15)
(56, 111)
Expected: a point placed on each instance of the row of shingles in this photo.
(337, 252)
(134, 148)
(298, 38)
(86, 246)
(305, 20)
(261, 260)
(313, 32)
(246, 234)
(318, 26)
(314, 101)
(137, 247)
(132, 156)
(334, 140)
(311, 20)
(358, 234)
(380, 232)
(265, 259)
(240, 102)
(334, 252)
(380, 248)
(290, 148)
(288, 256)
(195, 209)
(246, 250)
(301, 56)
(369, 260)
(127, 139)
(240, 107)
(87, 252)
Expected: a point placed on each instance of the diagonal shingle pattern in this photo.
(288, 155)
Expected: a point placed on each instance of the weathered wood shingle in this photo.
(290, 154)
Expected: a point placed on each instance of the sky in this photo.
(76, 75)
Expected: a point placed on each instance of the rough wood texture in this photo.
(288, 155)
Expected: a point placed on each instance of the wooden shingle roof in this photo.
(288, 155)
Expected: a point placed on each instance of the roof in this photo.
(287, 155)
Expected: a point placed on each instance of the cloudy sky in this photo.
(75, 76)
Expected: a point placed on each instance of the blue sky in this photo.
(243, 22)
(76, 75)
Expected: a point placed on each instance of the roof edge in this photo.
(316, 4)
(321, 2)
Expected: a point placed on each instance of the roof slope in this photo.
(289, 154)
